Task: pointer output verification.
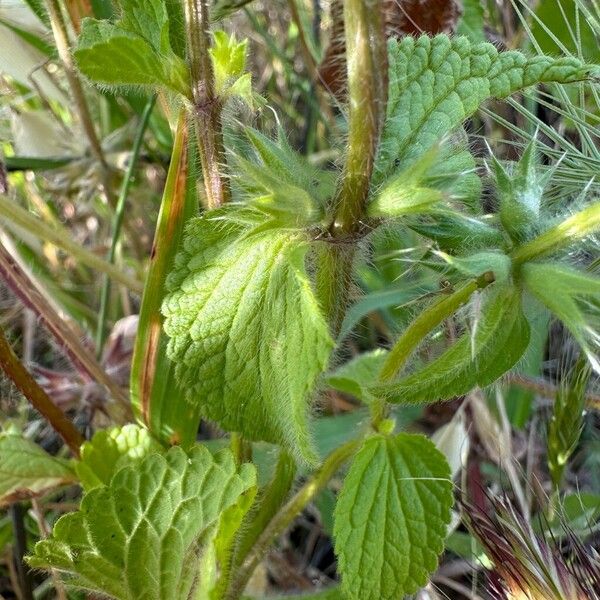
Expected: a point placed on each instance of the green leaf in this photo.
(358, 374)
(520, 190)
(573, 297)
(454, 231)
(405, 192)
(281, 183)
(110, 450)
(135, 50)
(228, 58)
(247, 335)
(436, 83)
(27, 471)
(391, 517)
(498, 339)
(155, 397)
(144, 535)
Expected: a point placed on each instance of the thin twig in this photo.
(20, 550)
(287, 514)
(37, 397)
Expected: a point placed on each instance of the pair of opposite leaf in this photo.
(247, 336)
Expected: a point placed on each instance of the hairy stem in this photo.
(287, 514)
(367, 93)
(37, 397)
(118, 221)
(569, 231)
(207, 106)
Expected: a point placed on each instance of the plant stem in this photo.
(83, 360)
(367, 94)
(118, 221)
(207, 106)
(569, 231)
(18, 218)
(37, 397)
(61, 37)
(287, 514)
(428, 320)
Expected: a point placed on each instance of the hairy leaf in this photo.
(110, 450)
(27, 471)
(436, 83)
(247, 334)
(456, 232)
(144, 535)
(520, 191)
(498, 339)
(573, 297)
(358, 374)
(134, 51)
(391, 517)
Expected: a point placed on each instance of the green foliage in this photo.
(229, 65)
(26, 471)
(355, 376)
(520, 194)
(436, 83)
(136, 50)
(110, 450)
(146, 534)
(499, 336)
(571, 296)
(280, 183)
(155, 397)
(247, 335)
(391, 517)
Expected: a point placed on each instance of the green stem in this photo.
(428, 320)
(118, 221)
(569, 231)
(287, 514)
(367, 92)
(18, 219)
(207, 107)
(37, 397)
(269, 502)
